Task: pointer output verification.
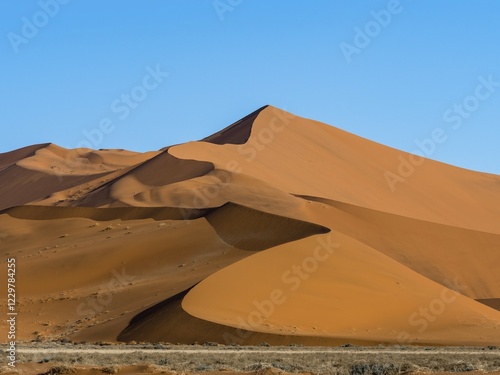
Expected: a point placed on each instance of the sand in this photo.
(276, 229)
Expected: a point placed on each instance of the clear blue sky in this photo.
(64, 66)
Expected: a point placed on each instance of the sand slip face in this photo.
(276, 229)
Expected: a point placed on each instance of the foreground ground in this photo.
(139, 359)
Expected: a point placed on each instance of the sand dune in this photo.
(440, 252)
(22, 186)
(56, 160)
(38, 172)
(33, 212)
(319, 160)
(276, 229)
(169, 322)
(255, 230)
(161, 170)
(354, 292)
(11, 157)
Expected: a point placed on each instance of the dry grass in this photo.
(110, 370)
(349, 361)
(59, 370)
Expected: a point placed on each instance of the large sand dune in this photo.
(277, 229)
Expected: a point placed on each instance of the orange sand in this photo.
(277, 229)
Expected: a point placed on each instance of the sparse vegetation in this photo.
(61, 369)
(109, 370)
(375, 369)
(351, 360)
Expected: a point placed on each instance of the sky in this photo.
(418, 75)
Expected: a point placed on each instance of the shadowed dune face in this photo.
(168, 322)
(239, 226)
(276, 229)
(162, 170)
(21, 186)
(100, 214)
(491, 302)
(11, 157)
(166, 169)
(237, 133)
(254, 230)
